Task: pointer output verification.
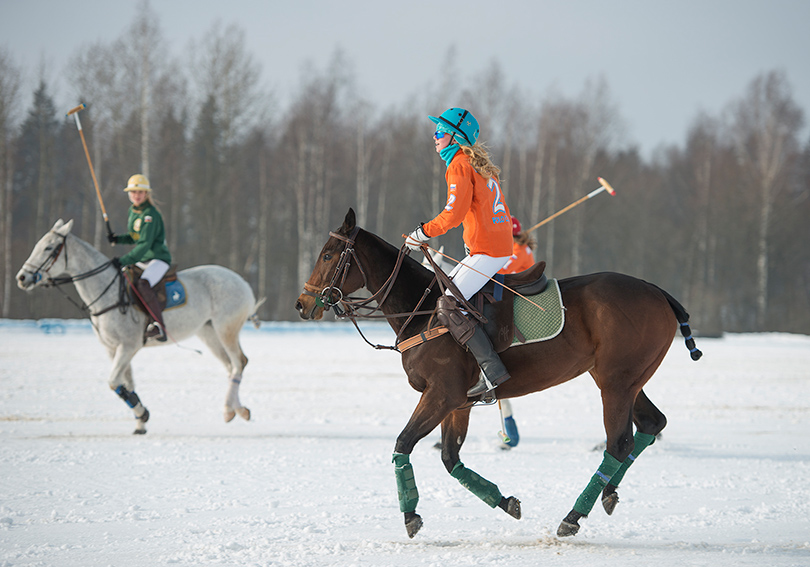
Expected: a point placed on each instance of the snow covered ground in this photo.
(309, 481)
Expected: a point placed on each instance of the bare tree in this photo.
(10, 83)
(596, 123)
(765, 127)
(227, 74)
(314, 123)
(145, 56)
(98, 76)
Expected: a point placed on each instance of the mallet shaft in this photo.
(604, 186)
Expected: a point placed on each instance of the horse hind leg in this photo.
(649, 423)
(617, 412)
(225, 346)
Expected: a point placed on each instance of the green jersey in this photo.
(145, 230)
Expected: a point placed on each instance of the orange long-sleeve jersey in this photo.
(479, 205)
(522, 259)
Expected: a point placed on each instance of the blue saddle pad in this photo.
(175, 294)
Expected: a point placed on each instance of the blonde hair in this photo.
(523, 239)
(481, 160)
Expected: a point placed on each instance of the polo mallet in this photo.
(604, 186)
(75, 112)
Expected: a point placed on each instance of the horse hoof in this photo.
(413, 523)
(244, 413)
(511, 506)
(229, 415)
(570, 525)
(139, 431)
(609, 502)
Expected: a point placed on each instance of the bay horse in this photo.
(618, 328)
(218, 303)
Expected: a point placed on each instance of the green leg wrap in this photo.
(607, 469)
(481, 487)
(641, 441)
(406, 483)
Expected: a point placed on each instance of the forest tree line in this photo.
(720, 221)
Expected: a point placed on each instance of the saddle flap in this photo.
(500, 323)
(135, 273)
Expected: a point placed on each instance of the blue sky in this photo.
(663, 61)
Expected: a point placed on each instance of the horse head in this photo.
(48, 259)
(334, 274)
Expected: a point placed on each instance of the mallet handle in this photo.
(604, 186)
(75, 112)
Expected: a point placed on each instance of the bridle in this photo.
(332, 296)
(324, 298)
(50, 261)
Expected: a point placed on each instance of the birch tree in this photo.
(10, 83)
(227, 77)
(765, 124)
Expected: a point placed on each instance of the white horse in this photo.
(438, 259)
(218, 303)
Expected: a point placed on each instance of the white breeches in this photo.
(153, 270)
(474, 271)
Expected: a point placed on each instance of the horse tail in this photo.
(254, 316)
(683, 317)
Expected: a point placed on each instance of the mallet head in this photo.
(607, 186)
(76, 109)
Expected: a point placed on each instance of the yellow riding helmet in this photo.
(138, 182)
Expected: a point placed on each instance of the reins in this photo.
(348, 307)
(56, 282)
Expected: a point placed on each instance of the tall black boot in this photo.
(493, 372)
(470, 334)
(150, 299)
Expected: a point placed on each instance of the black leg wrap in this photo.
(131, 398)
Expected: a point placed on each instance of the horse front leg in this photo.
(430, 411)
(454, 432)
(122, 383)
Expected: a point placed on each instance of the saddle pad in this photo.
(175, 294)
(536, 325)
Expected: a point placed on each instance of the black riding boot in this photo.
(150, 299)
(493, 372)
(470, 334)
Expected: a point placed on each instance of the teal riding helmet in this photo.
(460, 122)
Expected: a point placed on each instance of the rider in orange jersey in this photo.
(474, 199)
(522, 250)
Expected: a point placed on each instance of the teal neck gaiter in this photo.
(448, 153)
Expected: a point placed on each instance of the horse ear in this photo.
(57, 225)
(349, 222)
(65, 228)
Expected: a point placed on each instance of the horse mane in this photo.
(91, 250)
(411, 282)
